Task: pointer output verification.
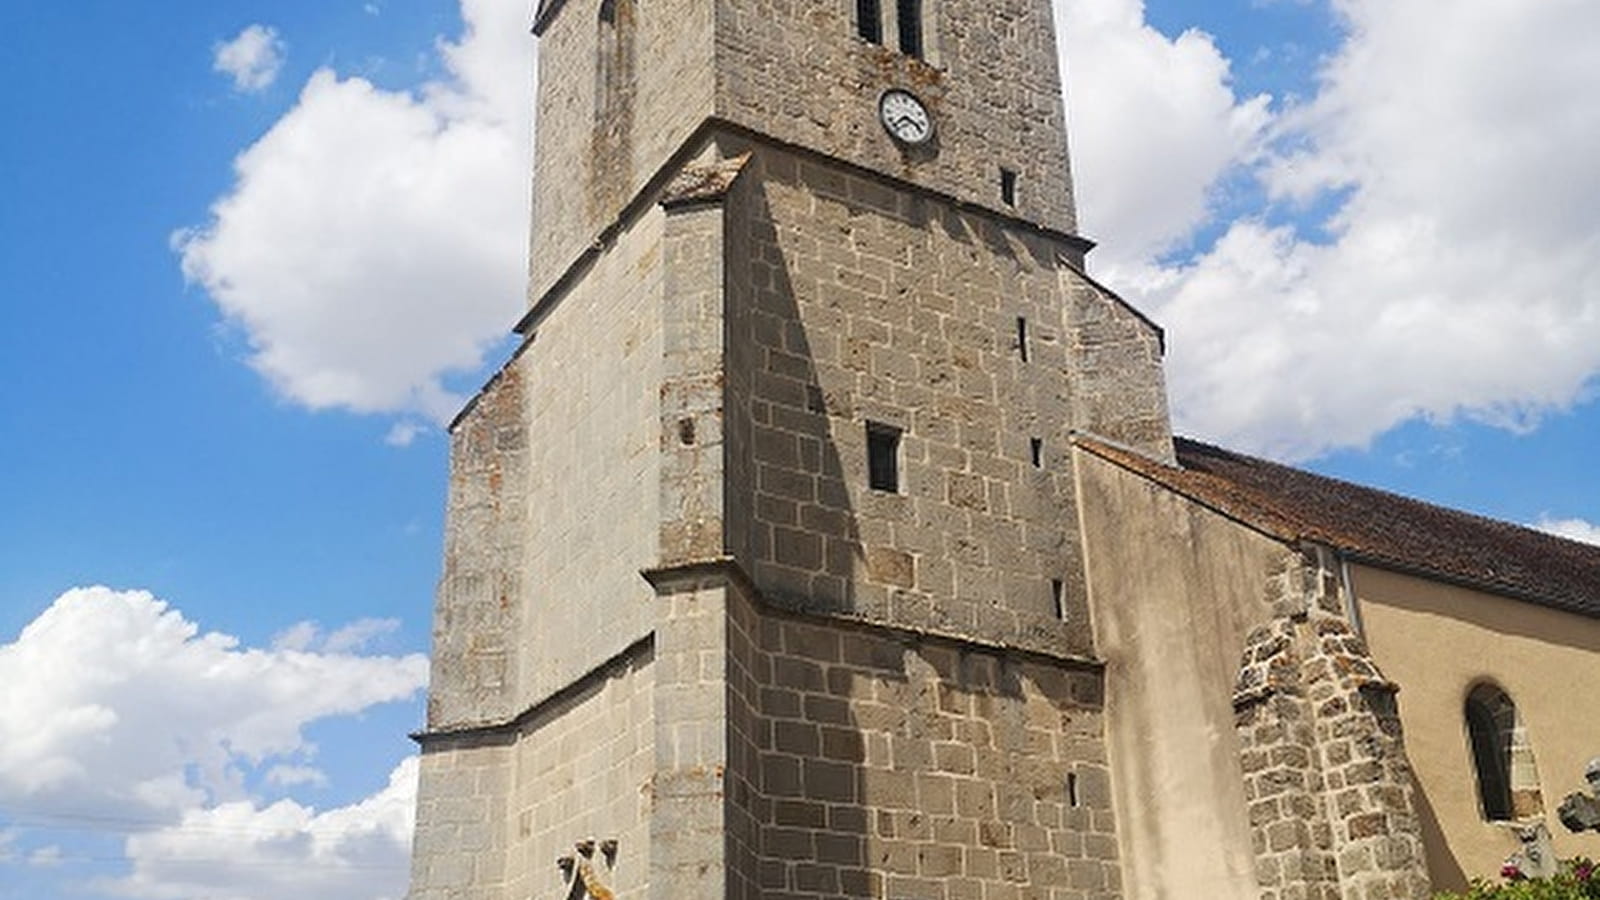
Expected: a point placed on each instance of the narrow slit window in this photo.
(910, 22)
(883, 457)
(1008, 187)
(1058, 597)
(1036, 452)
(1022, 338)
(1072, 789)
(869, 20)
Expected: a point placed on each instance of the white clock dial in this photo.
(904, 117)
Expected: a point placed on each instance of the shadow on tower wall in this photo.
(867, 757)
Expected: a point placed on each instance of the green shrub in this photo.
(1578, 880)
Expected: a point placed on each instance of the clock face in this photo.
(904, 117)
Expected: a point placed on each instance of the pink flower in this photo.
(1510, 872)
(1583, 871)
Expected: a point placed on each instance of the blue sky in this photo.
(226, 372)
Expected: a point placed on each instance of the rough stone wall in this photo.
(582, 768)
(460, 845)
(1324, 759)
(693, 371)
(1119, 388)
(480, 595)
(593, 374)
(856, 302)
(588, 166)
(865, 763)
(690, 835)
(799, 72)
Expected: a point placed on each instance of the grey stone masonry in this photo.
(1326, 775)
(497, 807)
(699, 394)
(591, 157)
(869, 763)
(850, 302)
(619, 97)
(479, 619)
(678, 620)
(798, 71)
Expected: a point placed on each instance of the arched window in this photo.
(610, 164)
(869, 21)
(909, 19)
(1508, 781)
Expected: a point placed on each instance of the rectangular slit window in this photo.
(1058, 598)
(1022, 338)
(910, 22)
(869, 20)
(1036, 452)
(1008, 187)
(883, 457)
(1072, 789)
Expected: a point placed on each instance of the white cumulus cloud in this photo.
(1458, 274)
(349, 638)
(1572, 529)
(252, 59)
(375, 241)
(1154, 122)
(292, 776)
(117, 705)
(245, 851)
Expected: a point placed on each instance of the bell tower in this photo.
(762, 566)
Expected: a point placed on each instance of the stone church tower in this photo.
(763, 574)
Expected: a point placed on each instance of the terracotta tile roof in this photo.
(1377, 527)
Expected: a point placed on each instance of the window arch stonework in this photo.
(1502, 756)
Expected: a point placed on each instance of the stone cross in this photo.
(1580, 812)
(1537, 858)
(579, 872)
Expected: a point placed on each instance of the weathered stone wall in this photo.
(583, 768)
(593, 375)
(689, 830)
(460, 845)
(478, 617)
(589, 164)
(1325, 766)
(1115, 354)
(865, 763)
(693, 445)
(799, 72)
(496, 808)
(856, 302)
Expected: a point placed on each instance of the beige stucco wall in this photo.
(1438, 641)
(1174, 590)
